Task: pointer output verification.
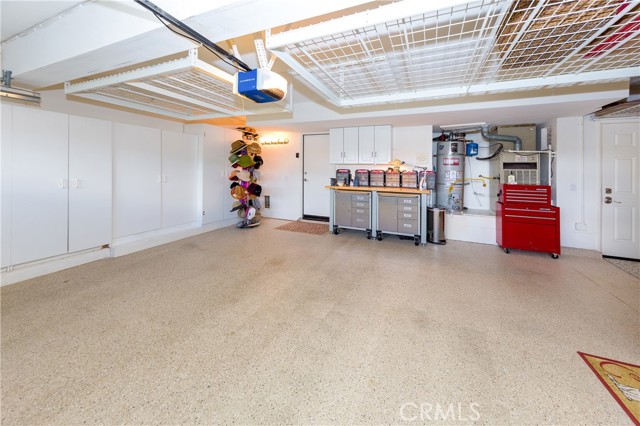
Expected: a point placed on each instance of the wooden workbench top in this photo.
(380, 189)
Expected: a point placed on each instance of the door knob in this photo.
(306, 180)
(609, 200)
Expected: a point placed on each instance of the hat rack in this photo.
(245, 159)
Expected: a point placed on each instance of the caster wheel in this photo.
(555, 256)
(416, 241)
(335, 230)
(368, 235)
(379, 236)
(506, 250)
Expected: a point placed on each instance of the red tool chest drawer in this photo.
(529, 195)
(528, 228)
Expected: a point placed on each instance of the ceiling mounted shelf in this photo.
(415, 50)
(185, 88)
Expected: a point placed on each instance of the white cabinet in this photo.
(216, 200)
(39, 193)
(383, 148)
(5, 192)
(56, 194)
(374, 144)
(360, 145)
(343, 145)
(179, 178)
(137, 196)
(89, 183)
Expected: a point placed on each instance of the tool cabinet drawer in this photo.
(407, 208)
(408, 226)
(408, 215)
(360, 211)
(360, 197)
(360, 220)
(408, 201)
(360, 204)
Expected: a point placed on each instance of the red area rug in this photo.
(621, 379)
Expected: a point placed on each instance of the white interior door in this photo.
(317, 171)
(620, 192)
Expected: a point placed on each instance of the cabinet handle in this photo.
(159, 179)
(76, 183)
(164, 179)
(63, 183)
(372, 156)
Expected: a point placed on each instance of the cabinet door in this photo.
(136, 179)
(382, 149)
(179, 178)
(366, 146)
(40, 185)
(214, 185)
(228, 200)
(89, 183)
(387, 213)
(350, 145)
(336, 145)
(5, 169)
(342, 208)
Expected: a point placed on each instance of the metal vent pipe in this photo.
(517, 142)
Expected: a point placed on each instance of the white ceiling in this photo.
(70, 40)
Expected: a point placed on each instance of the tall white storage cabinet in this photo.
(89, 183)
(137, 176)
(56, 184)
(215, 143)
(39, 176)
(179, 178)
(5, 192)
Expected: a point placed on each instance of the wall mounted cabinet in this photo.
(374, 145)
(360, 145)
(57, 185)
(343, 145)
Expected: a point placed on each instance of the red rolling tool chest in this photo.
(526, 220)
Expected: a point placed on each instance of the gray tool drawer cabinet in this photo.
(399, 214)
(352, 211)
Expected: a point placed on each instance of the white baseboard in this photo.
(38, 268)
(134, 243)
(119, 247)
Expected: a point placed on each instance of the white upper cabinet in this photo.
(360, 145)
(89, 183)
(351, 145)
(366, 140)
(383, 148)
(40, 182)
(179, 178)
(343, 145)
(137, 175)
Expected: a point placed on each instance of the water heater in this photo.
(450, 174)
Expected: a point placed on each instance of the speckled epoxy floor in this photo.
(260, 326)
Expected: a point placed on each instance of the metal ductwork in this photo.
(627, 107)
(484, 132)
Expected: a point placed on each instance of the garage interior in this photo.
(144, 302)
